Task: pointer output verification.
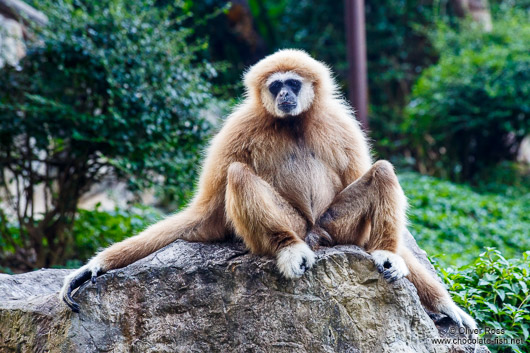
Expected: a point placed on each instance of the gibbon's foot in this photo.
(391, 265)
(76, 279)
(318, 237)
(294, 260)
(459, 316)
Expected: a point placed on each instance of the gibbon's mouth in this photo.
(286, 107)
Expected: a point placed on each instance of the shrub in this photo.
(457, 223)
(92, 231)
(471, 110)
(495, 291)
(96, 229)
(109, 87)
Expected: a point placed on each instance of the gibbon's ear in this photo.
(294, 60)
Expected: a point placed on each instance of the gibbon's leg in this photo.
(268, 224)
(370, 213)
(432, 293)
(192, 224)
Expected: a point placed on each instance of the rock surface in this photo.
(191, 297)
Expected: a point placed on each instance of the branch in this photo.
(17, 10)
(8, 194)
(17, 202)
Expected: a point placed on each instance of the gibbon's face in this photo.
(287, 94)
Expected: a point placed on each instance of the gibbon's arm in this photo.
(183, 225)
(356, 147)
(202, 220)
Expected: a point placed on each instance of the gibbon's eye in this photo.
(295, 85)
(275, 87)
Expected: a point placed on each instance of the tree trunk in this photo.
(478, 10)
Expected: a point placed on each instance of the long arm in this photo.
(191, 224)
(202, 220)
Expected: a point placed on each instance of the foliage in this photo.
(457, 222)
(93, 230)
(96, 229)
(506, 5)
(495, 291)
(109, 87)
(471, 110)
(228, 47)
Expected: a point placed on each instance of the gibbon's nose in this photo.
(286, 97)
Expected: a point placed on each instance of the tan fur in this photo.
(272, 179)
(430, 291)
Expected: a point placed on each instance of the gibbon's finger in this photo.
(96, 272)
(391, 275)
(391, 265)
(294, 260)
(74, 283)
(455, 317)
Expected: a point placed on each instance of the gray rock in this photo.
(191, 297)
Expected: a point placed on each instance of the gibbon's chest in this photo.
(295, 169)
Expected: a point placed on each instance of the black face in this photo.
(286, 93)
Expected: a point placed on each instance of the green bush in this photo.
(471, 110)
(495, 291)
(110, 87)
(96, 229)
(92, 231)
(456, 222)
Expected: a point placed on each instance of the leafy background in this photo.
(138, 87)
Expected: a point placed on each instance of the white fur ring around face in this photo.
(294, 260)
(391, 265)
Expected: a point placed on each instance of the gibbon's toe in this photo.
(294, 260)
(318, 237)
(391, 265)
(459, 316)
(467, 320)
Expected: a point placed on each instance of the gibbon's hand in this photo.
(294, 260)
(391, 265)
(76, 279)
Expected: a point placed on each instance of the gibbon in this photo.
(290, 167)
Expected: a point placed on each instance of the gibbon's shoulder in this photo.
(338, 118)
(245, 120)
(235, 134)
